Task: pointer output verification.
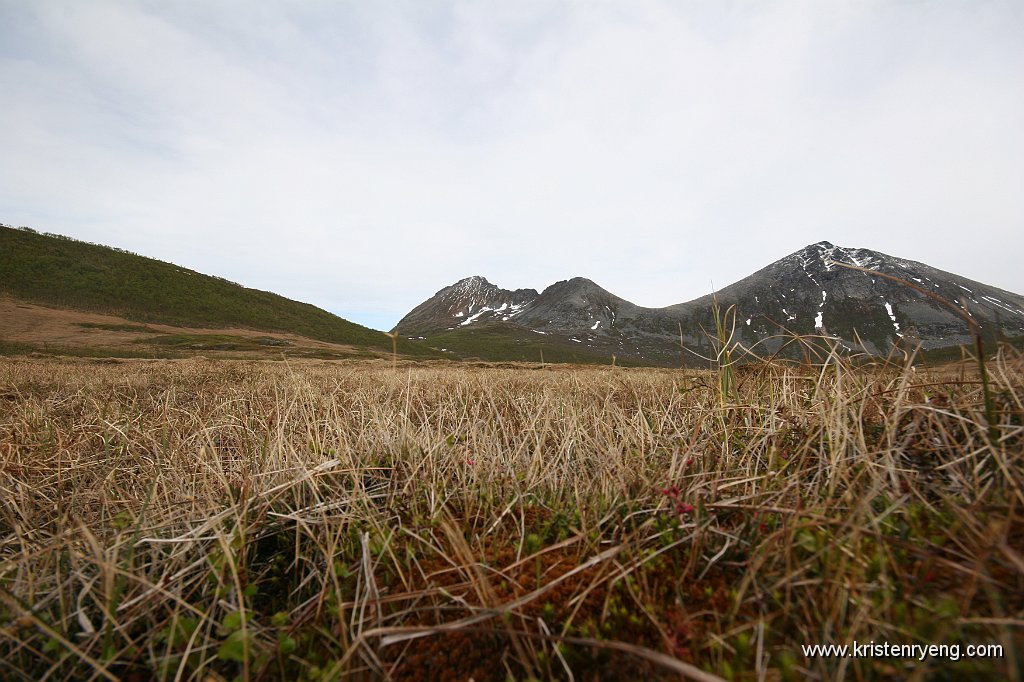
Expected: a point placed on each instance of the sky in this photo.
(360, 156)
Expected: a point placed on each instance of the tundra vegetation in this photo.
(205, 520)
(60, 272)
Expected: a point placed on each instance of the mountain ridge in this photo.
(807, 292)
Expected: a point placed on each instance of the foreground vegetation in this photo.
(195, 520)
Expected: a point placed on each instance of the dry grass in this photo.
(193, 520)
(45, 328)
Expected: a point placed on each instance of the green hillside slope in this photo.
(59, 271)
(504, 343)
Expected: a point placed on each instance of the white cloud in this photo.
(360, 157)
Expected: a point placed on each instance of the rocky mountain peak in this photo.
(471, 284)
(806, 293)
(469, 300)
(576, 285)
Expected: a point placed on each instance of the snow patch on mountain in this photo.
(892, 316)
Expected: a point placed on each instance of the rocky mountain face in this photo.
(468, 301)
(810, 292)
(807, 293)
(576, 306)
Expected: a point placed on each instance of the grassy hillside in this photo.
(59, 271)
(498, 342)
(504, 343)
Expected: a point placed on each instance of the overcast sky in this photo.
(360, 156)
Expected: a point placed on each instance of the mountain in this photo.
(52, 271)
(465, 302)
(807, 293)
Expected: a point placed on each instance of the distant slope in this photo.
(498, 342)
(806, 293)
(58, 271)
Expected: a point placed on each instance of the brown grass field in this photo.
(315, 520)
(77, 332)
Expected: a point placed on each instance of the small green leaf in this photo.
(233, 648)
(182, 631)
(122, 520)
(232, 621)
(286, 644)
